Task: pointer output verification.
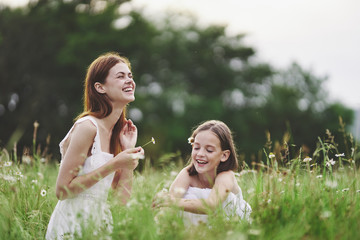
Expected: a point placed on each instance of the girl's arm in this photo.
(224, 184)
(82, 138)
(180, 184)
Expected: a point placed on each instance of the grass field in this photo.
(300, 201)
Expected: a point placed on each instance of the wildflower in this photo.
(358, 191)
(43, 193)
(26, 159)
(8, 178)
(325, 214)
(345, 189)
(340, 155)
(151, 141)
(280, 179)
(191, 140)
(269, 200)
(173, 173)
(319, 176)
(307, 159)
(331, 184)
(330, 162)
(271, 155)
(250, 190)
(34, 181)
(8, 164)
(255, 232)
(18, 173)
(41, 176)
(42, 160)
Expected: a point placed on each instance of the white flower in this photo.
(26, 159)
(325, 214)
(8, 178)
(41, 176)
(42, 160)
(307, 159)
(319, 176)
(153, 140)
(34, 181)
(345, 189)
(191, 140)
(330, 162)
(250, 190)
(43, 193)
(331, 184)
(269, 200)
(358, 191)
(8, 164)
(340, 155)
(255, 232)
(271, 155)
(18, 173)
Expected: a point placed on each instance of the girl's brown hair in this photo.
(97, 104)
(222, 131)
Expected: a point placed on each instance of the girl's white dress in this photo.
(234, 205)
(89, 209)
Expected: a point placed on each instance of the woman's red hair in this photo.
(97, 104)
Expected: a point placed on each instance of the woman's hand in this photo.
(128, 135)
(129, 158)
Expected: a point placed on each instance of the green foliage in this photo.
(185, 74)
(288, 203)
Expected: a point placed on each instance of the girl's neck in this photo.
(206, 180)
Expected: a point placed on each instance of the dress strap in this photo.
(96, 147)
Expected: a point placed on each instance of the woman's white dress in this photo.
(234, 205)
(89, 209)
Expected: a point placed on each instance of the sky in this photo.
(322, 35)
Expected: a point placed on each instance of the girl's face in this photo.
(207, 153)
(119, 84)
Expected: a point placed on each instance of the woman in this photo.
(98, 152)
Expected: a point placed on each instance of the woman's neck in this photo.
(110, 121)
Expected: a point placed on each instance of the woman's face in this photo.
(119, 85)
(206, 153)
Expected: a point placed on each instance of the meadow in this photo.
(306, 199)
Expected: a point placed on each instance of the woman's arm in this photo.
(123, 178)
(224, 183)
(82, 138)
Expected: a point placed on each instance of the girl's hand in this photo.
(163, 199)
(128, 135)
(129, 158)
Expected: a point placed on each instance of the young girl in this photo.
(98, 152)
(209, 181)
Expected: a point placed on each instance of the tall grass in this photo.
(306, 198)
